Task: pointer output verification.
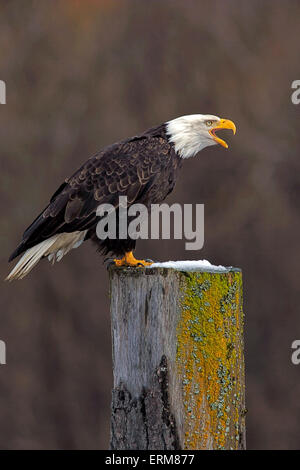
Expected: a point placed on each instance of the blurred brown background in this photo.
(83, 74)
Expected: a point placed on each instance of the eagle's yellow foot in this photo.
(129, 260)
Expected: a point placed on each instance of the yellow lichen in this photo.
(210, 359)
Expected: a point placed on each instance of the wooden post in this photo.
(178, 361)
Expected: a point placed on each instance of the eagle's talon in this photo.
(119, 262)
(129, 260)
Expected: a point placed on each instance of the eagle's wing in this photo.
(131, 168)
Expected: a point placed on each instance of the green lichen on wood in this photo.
(210, 359)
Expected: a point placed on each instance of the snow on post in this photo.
(178, 357)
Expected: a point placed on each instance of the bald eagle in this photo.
(143, 168)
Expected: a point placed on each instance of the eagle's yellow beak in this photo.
(222, 124)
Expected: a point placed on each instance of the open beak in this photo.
(222, 124)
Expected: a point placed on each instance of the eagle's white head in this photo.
(192, 133)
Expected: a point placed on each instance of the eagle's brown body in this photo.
(143, 168)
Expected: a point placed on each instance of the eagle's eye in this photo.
(209, 123)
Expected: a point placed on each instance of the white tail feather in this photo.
(55, 248)
(30, 258)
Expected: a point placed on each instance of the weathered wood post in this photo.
(178, 360)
